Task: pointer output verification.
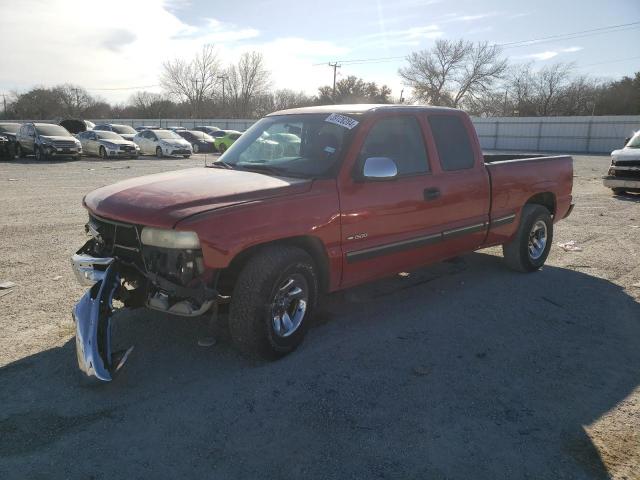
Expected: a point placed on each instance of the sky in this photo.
(114, 48)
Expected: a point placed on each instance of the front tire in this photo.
(102, 153)
(530, 247)
(618, 191)
(159, 153)
(196, 148)
(273, 301)
(20, 153)
(39, 154)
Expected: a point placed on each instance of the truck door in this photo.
(423, 215)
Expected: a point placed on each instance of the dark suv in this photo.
(46, 140)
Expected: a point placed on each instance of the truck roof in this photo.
(358, 108)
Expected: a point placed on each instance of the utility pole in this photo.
(223, 78)
(335, 66)
(4, 104)
(197, 99)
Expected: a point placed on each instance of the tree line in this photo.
(460, 74)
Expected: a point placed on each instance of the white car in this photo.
(107, 144)
(624, 172)
(162, 143)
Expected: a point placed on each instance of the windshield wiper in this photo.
(221, 164)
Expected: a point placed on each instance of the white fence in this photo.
(532, 134)
(556, 134)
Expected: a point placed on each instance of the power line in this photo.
(515, 44)
(594, 31)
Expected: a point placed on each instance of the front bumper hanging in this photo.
(92, 316)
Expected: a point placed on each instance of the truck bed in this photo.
(500, 157)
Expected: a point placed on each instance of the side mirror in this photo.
(379, 168)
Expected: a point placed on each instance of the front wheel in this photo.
(20, 153)
(103, 153)
(196, 148)
(273, 301)
(618, 191)
(222, 148)
(530, 247)
(159, 153)
(39, 154)
(186, 156)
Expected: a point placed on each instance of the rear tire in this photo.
(618, 191)
(530, 247)
(277, 281)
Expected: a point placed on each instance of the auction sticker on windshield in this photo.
(341, 120)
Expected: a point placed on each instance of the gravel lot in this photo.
(463, 370)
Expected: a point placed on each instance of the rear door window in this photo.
(452, 142)
(400, 139)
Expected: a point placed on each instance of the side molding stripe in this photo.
(369, 253)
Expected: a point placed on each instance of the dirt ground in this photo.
(461, 370)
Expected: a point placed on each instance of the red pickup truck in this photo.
(305, 202)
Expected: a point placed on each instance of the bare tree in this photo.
(74, 100)
(192, 81)
(246, 81)
(453, 72)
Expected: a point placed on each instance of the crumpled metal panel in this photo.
(92, 316)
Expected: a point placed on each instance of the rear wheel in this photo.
(159, 153)
(273, 301)
(530, 247)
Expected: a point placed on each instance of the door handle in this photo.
(431, 193)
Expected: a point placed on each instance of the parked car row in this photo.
(72, 138)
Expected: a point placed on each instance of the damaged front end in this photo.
(139, 267)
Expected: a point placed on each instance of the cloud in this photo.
(413, 37)
(455, 17)
(87, 43)
(549, 54)
(117, 39)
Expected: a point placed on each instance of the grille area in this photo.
(64, 143)
(116, 239)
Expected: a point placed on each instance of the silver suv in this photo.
(46, 141)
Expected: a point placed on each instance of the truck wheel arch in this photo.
(310, 244)
(546, 199)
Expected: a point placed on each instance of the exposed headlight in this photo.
(160, 237)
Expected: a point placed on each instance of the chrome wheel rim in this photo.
(537, 240)
(289, 305)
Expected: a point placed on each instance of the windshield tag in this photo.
(341, 120)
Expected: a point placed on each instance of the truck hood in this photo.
(163, 199)
(626, 154)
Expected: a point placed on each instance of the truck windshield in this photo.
(635, 141)
(305, 145)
